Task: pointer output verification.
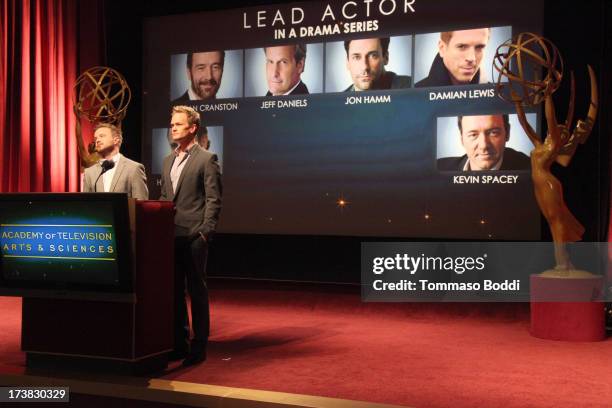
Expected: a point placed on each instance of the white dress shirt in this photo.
(107, 178)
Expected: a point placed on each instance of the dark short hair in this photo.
(447, 35)
(299, 54)
(384, 44)
(505, 117)
(190, 57)
(202, 131)
(201, 135)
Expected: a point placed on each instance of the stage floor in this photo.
(321, 340)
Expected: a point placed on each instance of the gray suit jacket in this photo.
(198, 193)
(129, 178)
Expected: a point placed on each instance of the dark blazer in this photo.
(184, 99)
(301, 89)
(390, 80)
(129, 178)
(198, 193)
(513, 160)
(181, 100)
(439, 75)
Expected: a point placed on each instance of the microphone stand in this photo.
(106, 166)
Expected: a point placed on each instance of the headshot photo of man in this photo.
(205, 71)
(206, 76)
(284, 68)
(202, 138)
(460, 57)
(368, 64)
(294, 69)
(483, 140)
(366, 60)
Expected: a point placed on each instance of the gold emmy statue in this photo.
(533, 68)
(101, 94)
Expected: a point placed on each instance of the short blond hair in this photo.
(193, 117)
(115, 130)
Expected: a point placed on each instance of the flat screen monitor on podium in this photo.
(65, 245)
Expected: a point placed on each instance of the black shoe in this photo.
(175, 355)
(194, 358)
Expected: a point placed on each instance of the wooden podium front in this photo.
(131, 333)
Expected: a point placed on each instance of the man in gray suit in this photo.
(192, 180)
(115, 173)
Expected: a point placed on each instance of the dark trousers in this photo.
(190, 271)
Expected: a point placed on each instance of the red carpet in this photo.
(326, 342)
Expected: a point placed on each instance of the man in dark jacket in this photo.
(192, 180)
(205, 71)
(284, 68)
(458, 59)
(484, 140)
(366, 59)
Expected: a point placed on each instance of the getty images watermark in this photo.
(459, 265)
(472, 271)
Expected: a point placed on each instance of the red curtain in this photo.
(38, 61)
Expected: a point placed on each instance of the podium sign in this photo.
(65, 242)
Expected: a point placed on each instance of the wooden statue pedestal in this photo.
(580, 318)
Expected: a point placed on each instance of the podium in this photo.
(128, 331)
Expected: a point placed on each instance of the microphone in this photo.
(106, 166)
